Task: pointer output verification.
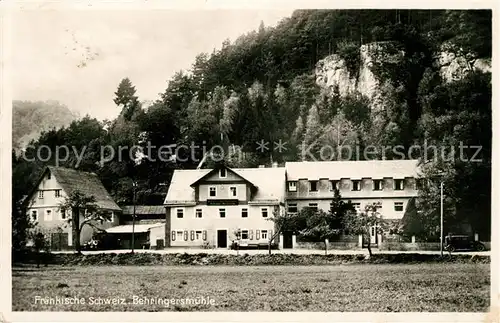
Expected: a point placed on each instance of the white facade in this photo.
(196, 198)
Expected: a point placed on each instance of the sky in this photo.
(79, 57)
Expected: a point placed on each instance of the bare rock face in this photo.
(453, 67)
(332, 72)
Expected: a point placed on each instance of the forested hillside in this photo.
(324, 77)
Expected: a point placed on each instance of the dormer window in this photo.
(48, 175)
(356, 185)
(313, 186)
(377, 185)
(398, 184)
(40, 194)
(222, 173)
(212, 191)
(292, 186)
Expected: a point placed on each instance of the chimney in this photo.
(275, 164)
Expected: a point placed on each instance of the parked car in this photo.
(462, 242)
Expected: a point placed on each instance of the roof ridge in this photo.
(71, 169)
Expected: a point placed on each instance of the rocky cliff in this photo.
(332, 72)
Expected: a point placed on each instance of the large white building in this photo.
(207, 206)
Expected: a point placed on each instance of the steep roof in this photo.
(216, 169)
(270, 183)
(144, 209)
(336, 170)
(72, 180)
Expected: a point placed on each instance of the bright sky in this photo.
(79, 57)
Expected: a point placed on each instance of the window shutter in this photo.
(185, 235)
(204, 234)
(257, 235)
(192, 235)
(251, 234)
(173, 235)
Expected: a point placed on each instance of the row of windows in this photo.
(201, 235)
(57, 193)
(212, 191)
(185, 235)
(378, 185)
(292, 207)
(48, 215)
(222, 213)
(259, 234)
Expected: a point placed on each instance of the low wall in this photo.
(348, 245)
(408, 246)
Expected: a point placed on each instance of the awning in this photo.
(138, 228)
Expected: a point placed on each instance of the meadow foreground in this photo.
(435, 287)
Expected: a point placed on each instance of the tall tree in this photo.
(126, 99)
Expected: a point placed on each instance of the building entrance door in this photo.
(221, 238)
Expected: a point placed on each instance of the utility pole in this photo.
(134, 185)
(442, 222)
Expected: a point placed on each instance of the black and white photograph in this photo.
(249, 159)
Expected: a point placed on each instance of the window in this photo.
(398, 184)
(263, 234)
(398, 206)
(377, 185)
(244, 213)
(334, 185)
(48, 176)
(356, 185)
(173, 235)
(222, 173)
(48, 215)
(40, 194)
(180, 213)
(192, 235)
(34, 215)
(212, 191)
(292, 186)
(198, 235)
(199, 213)
(62, 213)
(185, 235)
(232, 191)
(313, 186)
(244, 234)
(180, 235)
(264, 212)
(357, 206)
(57, 193)
(222, 213)
(204, 234)
(313, 206)
(292, 208)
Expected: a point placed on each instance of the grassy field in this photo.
(385, 287)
